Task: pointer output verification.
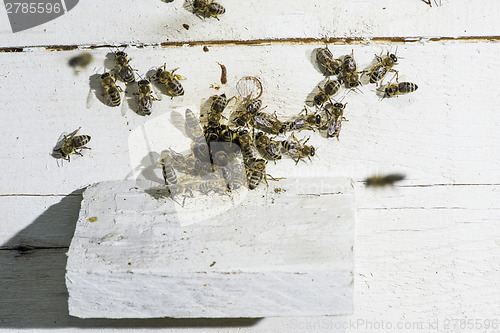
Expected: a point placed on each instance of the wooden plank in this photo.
(405, 260)
(34, 297)
(39, 221)
(50, 221)
(154, 21)
(212, 257)
(430, 135)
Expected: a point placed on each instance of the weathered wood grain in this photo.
(154, 21)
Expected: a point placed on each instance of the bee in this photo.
(399, 88)
(123, 68)
(181, 189)
(80, 61)
(330, 89)
(246, 116)
(247, 147)
(351, 75)
(216, 185)
(336, 114)
(201, 151)
(145, 97)
(325, 58)
(269, 122)
(235, 174)
(168, 172)
(219, 103)
(73, 144)
(228, 135)
(271, 148)
(380, 181)
(203, 167)
(252, 106)
(256, 177)
(170, 80)
(208, 8)
(298, 149)
(212, 132)
(111, 89)
(384, 65)
(305, 122)
(193, 128)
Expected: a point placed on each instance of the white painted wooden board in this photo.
(252, 254)
(153, 21)
(429, 134)
(432, 241)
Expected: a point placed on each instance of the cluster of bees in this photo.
(348, 76)
(232, 151)
(228, 155)
(125, 72)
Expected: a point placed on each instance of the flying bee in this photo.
(170, 80)
(270, 148)
(305, 122)
(145, 97)
(111, 89)
(380, 181)
(72, 144)
(399, 88)
(298, 149)
(325, 58)
(123, 68)
(193, 128)
(384, 65)
(336, 114)
(269, 122)
(80, 61)
(208, 8)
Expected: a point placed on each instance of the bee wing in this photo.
(249, 87)
(156, 93)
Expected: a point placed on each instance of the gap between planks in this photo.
(328, 40)
(359, 182)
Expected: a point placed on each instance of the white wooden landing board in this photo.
(282, 250)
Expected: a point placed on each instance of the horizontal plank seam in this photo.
(333, 193)
(328, 40)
